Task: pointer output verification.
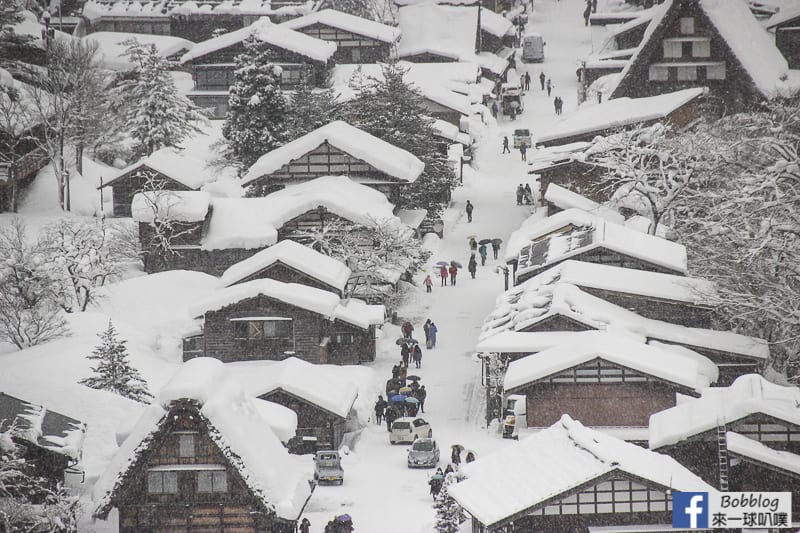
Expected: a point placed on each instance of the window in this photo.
(687, 73)
(673, 48)
(162, 482)
(715, 72)
(212, 481)
(186, 445)
(355, 55)
(255, 330)
(701, 48)
(291, 74)
(687, 25)
(659, 73)
(343, 338)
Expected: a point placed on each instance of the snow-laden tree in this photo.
(256, 121)
(391, 109)
(113, 371)
(79, 254)
(29, 294)
(310, 109)
(449, 515)
(154, 113)
(648, 170)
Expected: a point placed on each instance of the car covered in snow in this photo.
(409, 429)
(328, 467)
(423, 453)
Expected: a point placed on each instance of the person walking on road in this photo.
(549, 86)
(421, 395)
(427, 329)
(453, 273)
(417, 356)
(541, 79)
(506, 149)
(520, 194)
(407, 329)
(443, 274)
(527, 81)
(428, 283)
(469, 209)
(484, 252)
(495, 248)
(522, 150)
(380, 407)
(433, 331)
(528, 194)
(473, 266)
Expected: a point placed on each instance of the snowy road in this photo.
(380, 492)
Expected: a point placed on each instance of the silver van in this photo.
(532, 48)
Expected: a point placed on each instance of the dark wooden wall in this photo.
(685, 314)
(351, 48)
(581, 178)
(125, 187)
(327, 427)
(282, 272)
(787, 39)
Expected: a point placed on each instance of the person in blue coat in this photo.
(483, 251)
(433, 330)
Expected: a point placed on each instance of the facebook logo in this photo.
(690, 510)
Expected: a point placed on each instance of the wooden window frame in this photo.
(687, 25)
(162, 484)
(217, 481)
(258, 325)
(184, 449)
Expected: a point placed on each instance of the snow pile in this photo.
(294, 255)
(196, 380)
(746, 447)
(178, 165)
(312, 299)
(347, 22)
(749, 394)
(312, 383)
(556, 461)
(111, 47)
(691, 372)
(178, 206)
(282, 420)
(266, 31)
(385, 157)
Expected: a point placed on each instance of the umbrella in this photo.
(344, 518)
(412, 400)
(400, 341)
(484, 241)
(458, 446)
(404, 390)
(412, 342)
(398, 398)
(413, 378)
(497, 241)
(457, 264)
(437, 476)
(442, 263)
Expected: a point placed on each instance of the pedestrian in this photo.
(473, 266)
(522, 151)
(506, 149)
(586, 13)
(305, 526)
(428, 282)
(541, 79)
(395, 371)
(483, 251)
(403, 373)
(417, 355)
(380, 407)
(527, 81)
(494, 109)
(414, 387)
(407, 329)
(513, 106)
(433, 331)
(443, 274)
(469, 209)
(522, 83)
(453, 273)
(421, 395)
(390, 416)
(555, 104)
(455, 456)
(560, 107)
(427, 329)
(520, 194)
(470, 457)
(549, 86)
(436, 483)
(411, 409)
(528, 194)
(473, 245)
(405, 352)
(495, 248)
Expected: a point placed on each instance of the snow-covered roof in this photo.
(451, 132)
(313, 383)
(558, 461)
(254, 222)
(162, 9)
(275, 34)
(613, 237)
(447, 98)
(347, 22)
(385, 157)
(785, 14)
(236, 425)
(717, 406)
(178, 206)
(617, 113)
(694, 372)
(318, 301)
(187, 169)
(111, 50)
(535, 227)
(753, 449)
(564, 198)
(510, 341)
(41, 426)
(316, 265)
(609, 42)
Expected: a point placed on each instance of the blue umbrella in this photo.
(398, 398)
(344, 518)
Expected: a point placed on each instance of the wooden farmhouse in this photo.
(739, 438)
(705, 43)
(592, 376)
(265, 319)
(165, 169)
(203, 458)
(323, 403)
(677, 109)
(786, 26)
(291, 262)
(336, 149)
(358, 40)
(211, 62)
(444, 104)
(572, 478)
(50, 442)
(582, 177)
(607, 244)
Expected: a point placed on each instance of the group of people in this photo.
(558, 104)
(481, 250)
(524, 194)
(444, 271)
(437, 479)
(525, 82)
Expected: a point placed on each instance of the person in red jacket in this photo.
(453, 274)
(443, 273)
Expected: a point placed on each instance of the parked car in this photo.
(423, 453)
(409, 429)
(532, 47)
(328, 467)
(522, 136)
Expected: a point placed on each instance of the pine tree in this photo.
(114, 373)
(309, 109)
(257, 111)
(448, 513)
(154, 113)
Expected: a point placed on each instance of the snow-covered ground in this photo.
(379, 492)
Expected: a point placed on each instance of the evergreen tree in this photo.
(257, 111)
(449, 514)
(114, 373)
(309, 110)
(153, 112)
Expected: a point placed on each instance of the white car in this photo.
(409, 429)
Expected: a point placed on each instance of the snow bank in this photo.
(274, 34)
(347, 22)
(749, 394)
(111, 50)
(295, 255)
(179, 206)
(282, 420)
(555, 461)
(385, 157)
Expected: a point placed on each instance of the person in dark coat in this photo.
(527, 81)
(483, 251)
(473, 266)
(390, 416)
(506, 149)
(542, 77)
(411, 409)
(469, 209)
(528, 194)
(523, 151)
(453, 273)
(417, 356)
(305, 526)
(380, 407)
(495, 248)
(405, 352)
(520, 194)
(473, 245)
(395, 371)
(427, 329)
(443, 274)
(433, 331)
(586, 14)
(455, 456)
(494, 109)
(421, 394)
(549, 86)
